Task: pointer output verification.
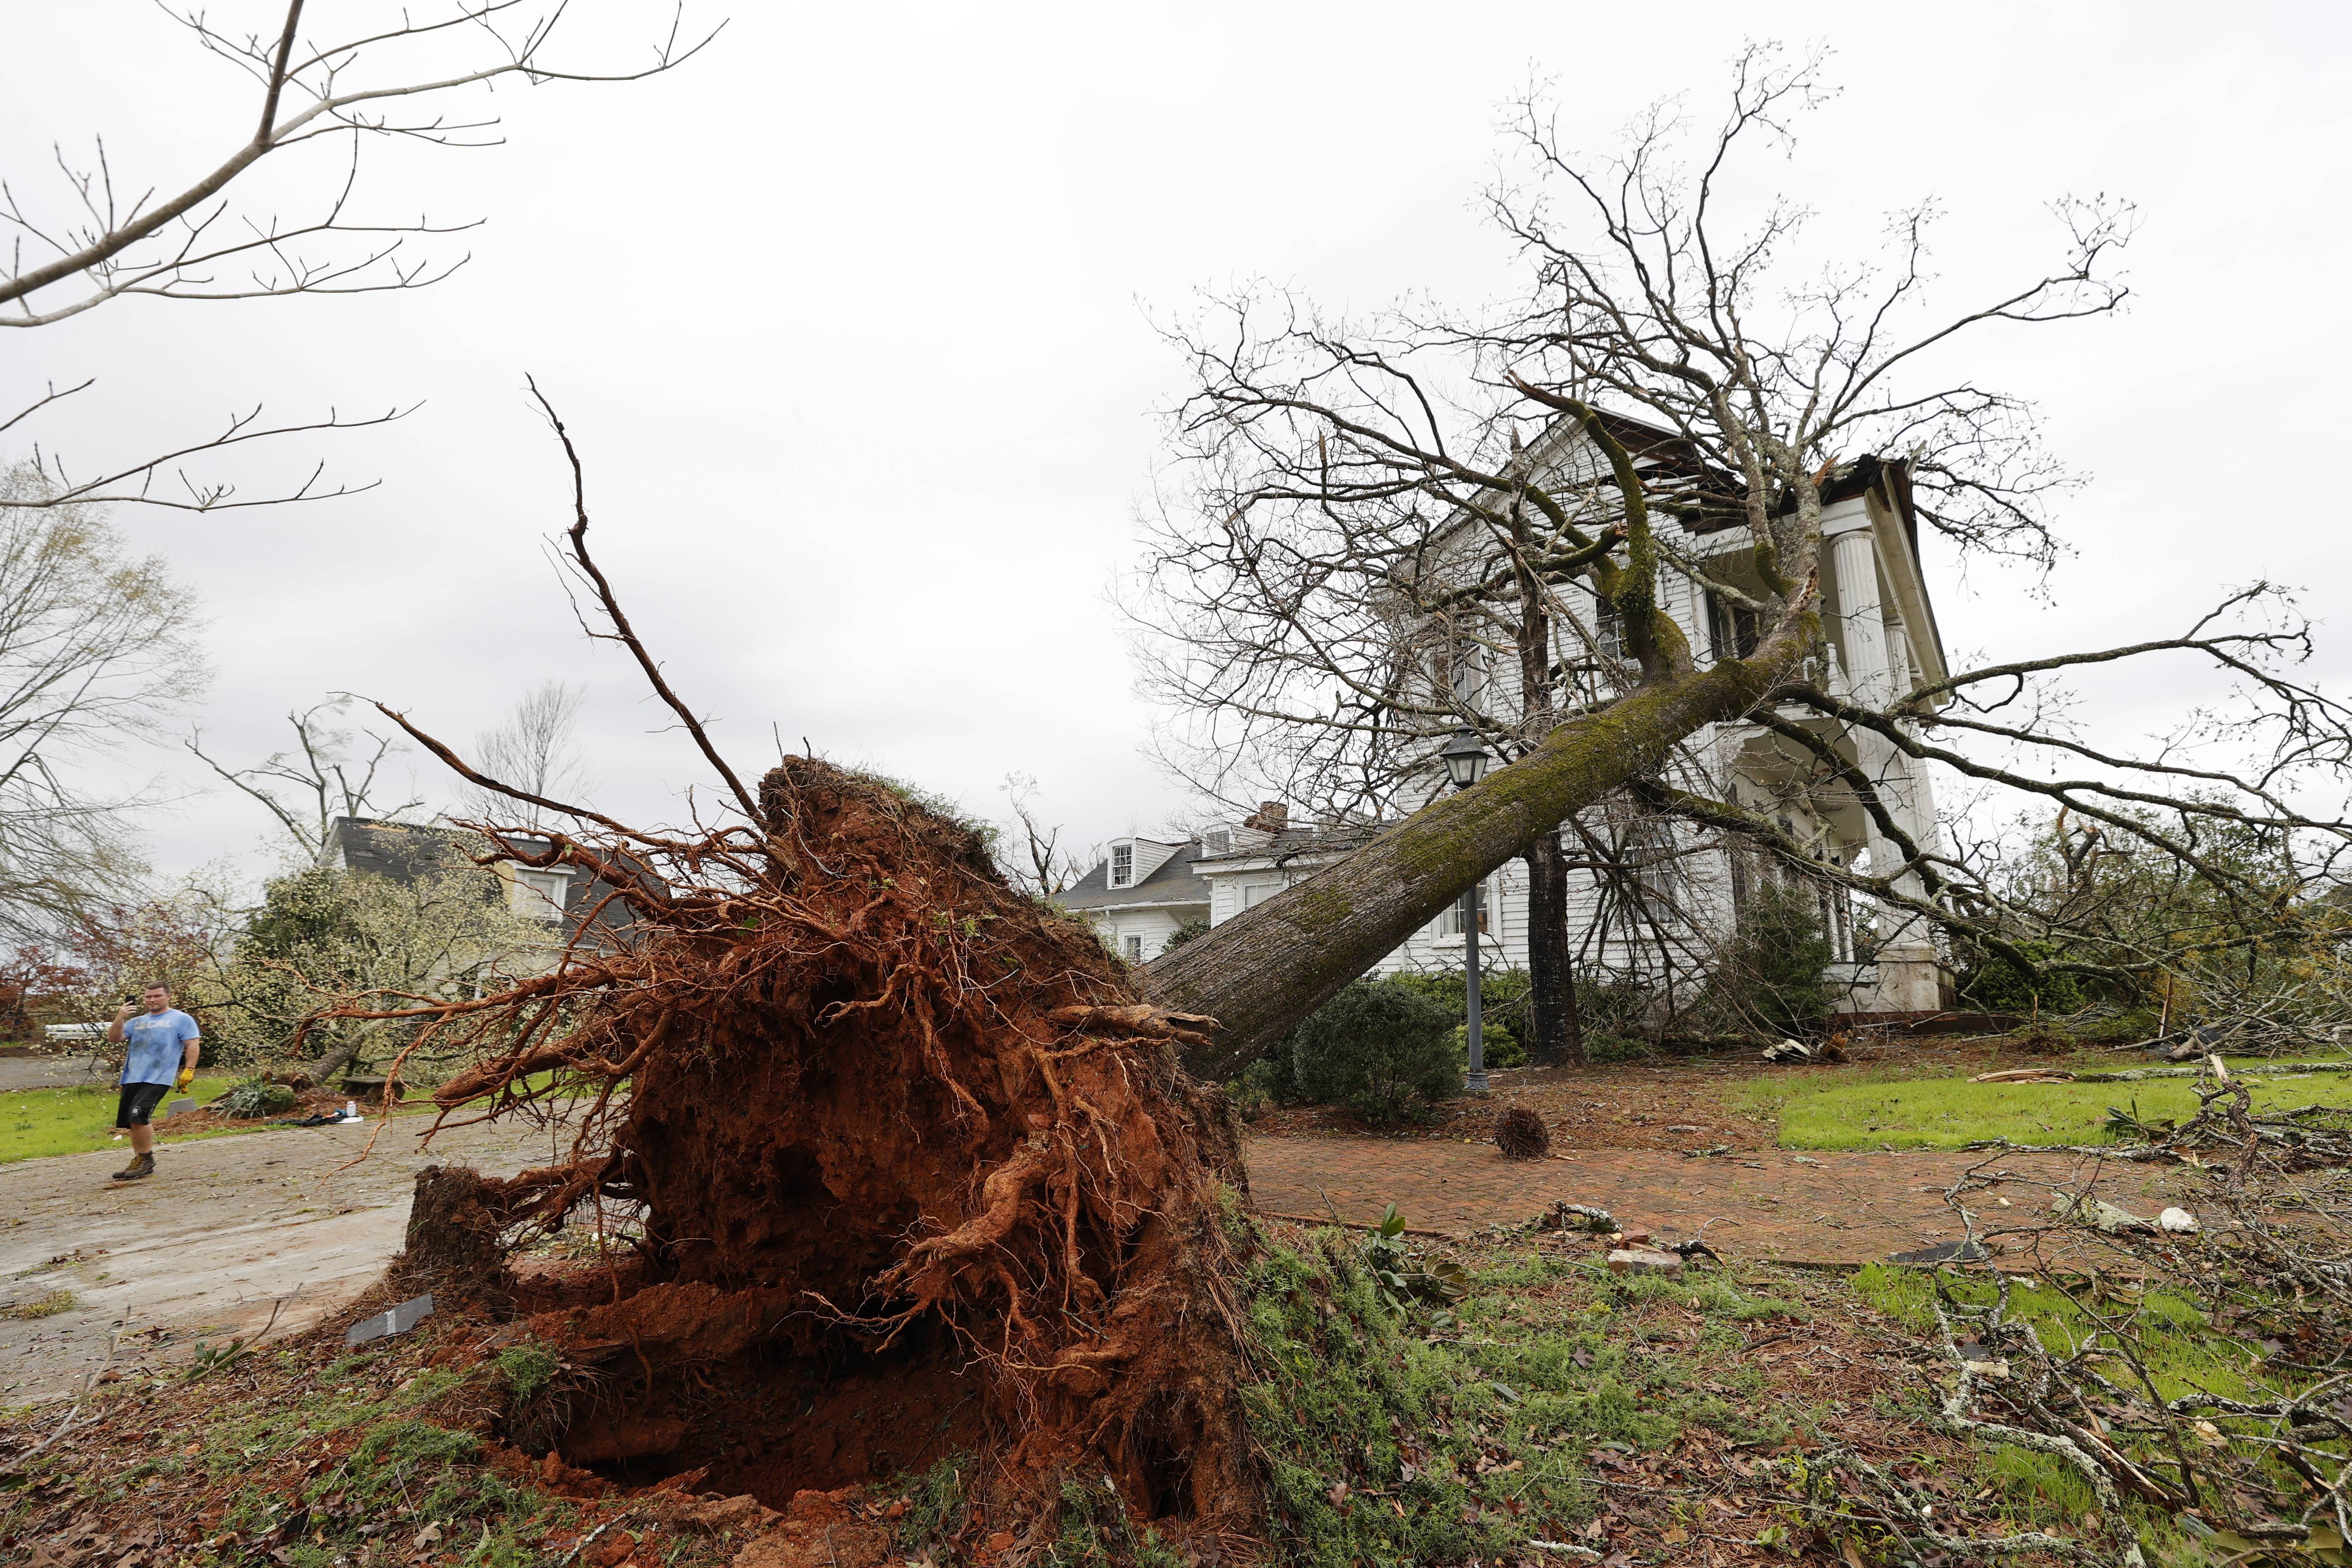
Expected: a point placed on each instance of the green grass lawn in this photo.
(1864, 1110)
(35, 1122)
(38, 1121)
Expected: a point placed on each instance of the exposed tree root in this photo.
(914, 1171)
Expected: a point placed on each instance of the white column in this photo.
(1908, 979)
(1862, 619)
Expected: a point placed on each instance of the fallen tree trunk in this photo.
(1259, 974)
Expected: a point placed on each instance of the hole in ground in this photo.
(775, 1421)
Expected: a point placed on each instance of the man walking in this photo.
(162, 1056)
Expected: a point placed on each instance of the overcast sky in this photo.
(853, 320)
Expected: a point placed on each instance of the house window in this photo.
(1122, 865)
(1608, 625)
(1450, 922)
(539, 895)
(1256, 893)
(1730, 628)
(1135, 950)
(1218, 841)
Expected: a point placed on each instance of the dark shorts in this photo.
(139, 1103)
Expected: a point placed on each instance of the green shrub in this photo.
(1504, 995)
(1379, 1048)
(1197, 927)
(254, 1098)
(1772, 972)
(1600, 1046)
(1500, 1046)
(1266, 1082)
(1997, 985)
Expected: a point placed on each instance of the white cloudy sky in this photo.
(853, 319)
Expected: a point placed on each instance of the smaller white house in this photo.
(1142, 890)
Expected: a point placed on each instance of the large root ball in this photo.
(915, 1177)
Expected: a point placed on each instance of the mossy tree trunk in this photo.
(1261, 973)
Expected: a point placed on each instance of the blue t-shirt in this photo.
(158, 1042)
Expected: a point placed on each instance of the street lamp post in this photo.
(1466, 764)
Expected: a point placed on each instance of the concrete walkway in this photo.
(205, 1246)
(50, 1072)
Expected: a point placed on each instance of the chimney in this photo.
(1271, 817)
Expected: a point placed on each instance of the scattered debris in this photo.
(397, 1319)
(1796, 1051)
(2179, 1221)
(1708, 1153)
(1944, 1252)
(1685, 1127)
(1975, 1357)
(2101, 1216)
(1694, 1249)
(1564, 1215)
(1643, 1260)
(2024, 1075)
(1521, 1134)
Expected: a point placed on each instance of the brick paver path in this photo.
(1768, 1204)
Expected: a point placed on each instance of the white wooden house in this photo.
(1142, 890)
(1880, 638)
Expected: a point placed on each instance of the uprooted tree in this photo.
(909, 1168)
(905, 1164)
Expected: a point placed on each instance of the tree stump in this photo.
(456, 1239)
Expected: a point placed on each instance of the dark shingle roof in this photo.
(1173, 883)
(401, 851)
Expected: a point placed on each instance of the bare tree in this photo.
(1037, 864)
(97, 647)
(330, 773)
(1699, 374)
(417, 78)
(537, 748)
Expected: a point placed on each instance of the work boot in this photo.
(141, 1166)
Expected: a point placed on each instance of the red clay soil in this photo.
(916, 1169)
(1668, 1103)
(1658, 1144)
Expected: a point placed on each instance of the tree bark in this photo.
(1261, 973)
(1550, 1041)
(1553, 1039)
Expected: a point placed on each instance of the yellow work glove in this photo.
(187, 1075)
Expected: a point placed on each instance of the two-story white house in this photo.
(1650, 898)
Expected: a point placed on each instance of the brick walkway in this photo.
(1769, 1203)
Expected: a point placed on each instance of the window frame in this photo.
(1117, 877)
(549, 894)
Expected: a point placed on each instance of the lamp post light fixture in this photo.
(1466, 764)
(1465, 760)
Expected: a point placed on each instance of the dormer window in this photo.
(1218, 841)
(1122, 865)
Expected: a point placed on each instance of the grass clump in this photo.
(527, 1367)
(1859, 1110)
(38, 1307)
(1394, 1436)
